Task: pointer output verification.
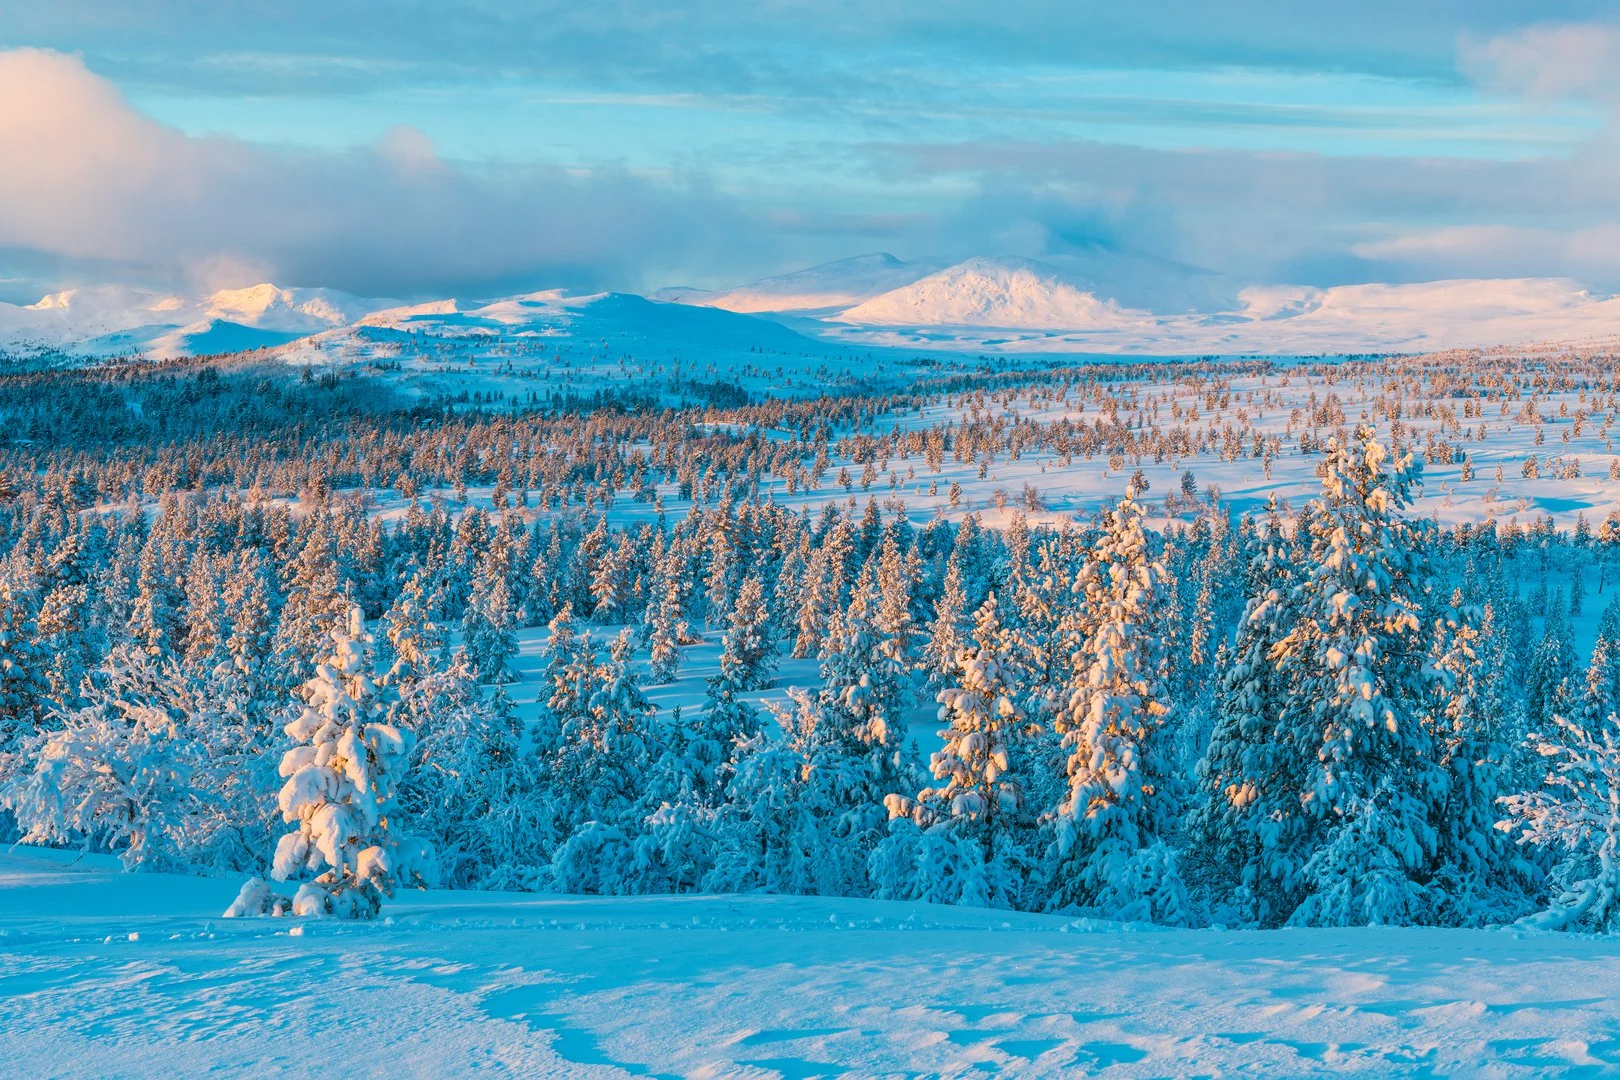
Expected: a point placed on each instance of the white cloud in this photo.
(1548, 63)
(89, 179)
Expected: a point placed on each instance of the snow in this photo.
(1090, 302)
(108, 320)
(136, 975)
(983, 306)
(988, 292)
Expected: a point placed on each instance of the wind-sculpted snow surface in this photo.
(134, 975)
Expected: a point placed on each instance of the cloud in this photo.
(1587, 253)
(1548, 63)
(783, 46)
(1316, 218)
(90, 181)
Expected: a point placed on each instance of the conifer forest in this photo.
(1256, 644)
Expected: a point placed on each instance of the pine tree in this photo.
(339, 792)
(974, 853)
(152, 619)
(949, 631)
(606, 745)
(1120, 809)
(1575, 814)
(414, 639)
(1249, 829)
(22, 673)
(1353, 661)
(245, 605)
(489, 627)
(1478, 878)
(665, 626)
(983, 721)
(1552, 673)
(747, 652)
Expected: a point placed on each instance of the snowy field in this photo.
(110, 974)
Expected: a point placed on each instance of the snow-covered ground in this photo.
(113, 974)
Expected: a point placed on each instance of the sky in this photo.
(414, 149)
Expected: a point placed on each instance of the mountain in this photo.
(1009, 293)
(598, 317)
(1085, 288)
(112, 320)
(827, 287)
(1010, 310)
(1096, 301)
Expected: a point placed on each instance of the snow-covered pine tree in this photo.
(1113, 827)
(1575, 814)
(414, 639)
(1600, 694)
(1354, 668)
(607, 744)
(1552, 678)
(152, 620)
(1249, 826)
(204, 614)
(603, 766)
(948, 633)
(1478, 877)
(665, 626)
(747, 651)
(982, 722)
(340, 786)
(22, 672)
(978, 805)
(489, 627)
(469, 787)
(246, 607)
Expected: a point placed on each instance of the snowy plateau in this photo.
(1090, 666)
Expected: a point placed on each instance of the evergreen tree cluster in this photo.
(1334, 716)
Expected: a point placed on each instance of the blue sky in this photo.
(420, 149)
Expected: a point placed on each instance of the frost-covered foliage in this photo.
(1576, 813)
(339, 791)
(1121, 805)
(965, 841)
(167, 773)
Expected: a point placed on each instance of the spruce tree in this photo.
(1353, 662)
(341, 776)
(1120, 808)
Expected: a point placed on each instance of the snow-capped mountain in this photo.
(108, 320)
(1099, 301)
(1076, 290)
(1012, 293)
(827, 287)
